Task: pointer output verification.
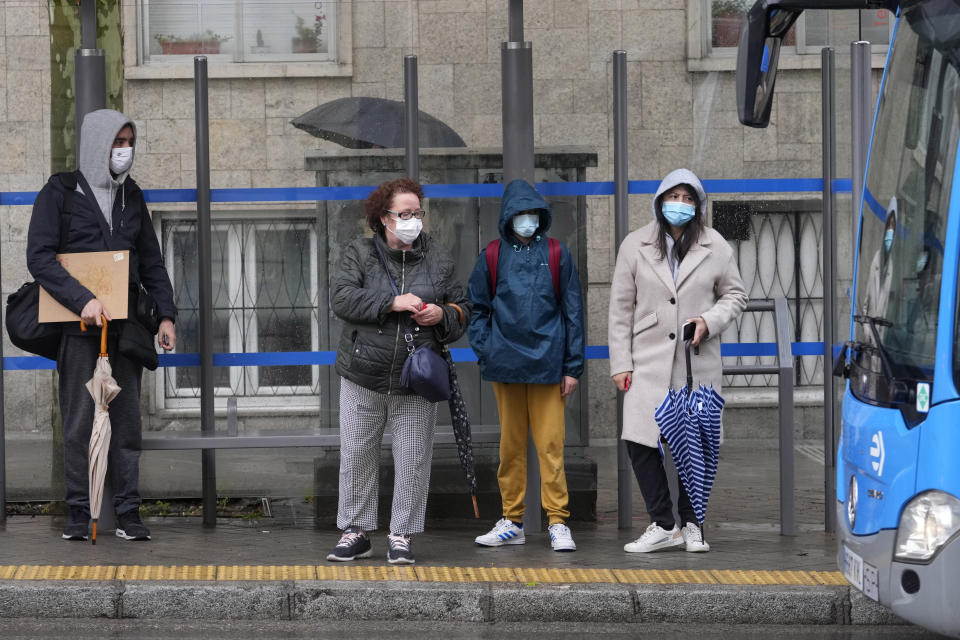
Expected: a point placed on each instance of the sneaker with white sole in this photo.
(354, 543)
(560, 537)
(504, 532)
(655, 538)
(693, 538)
(398, 550)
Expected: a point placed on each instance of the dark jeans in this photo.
(78, 357)
(652, 478)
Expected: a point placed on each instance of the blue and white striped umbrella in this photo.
(690, 421)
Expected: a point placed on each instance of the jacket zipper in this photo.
(396, 343)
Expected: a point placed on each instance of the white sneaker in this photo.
(560, 537)
(654, 538)
(693, 537)
(504, 532)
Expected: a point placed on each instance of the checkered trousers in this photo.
(363, 416)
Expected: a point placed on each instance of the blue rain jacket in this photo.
(525, 334)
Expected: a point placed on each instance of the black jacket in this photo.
(132, 230)
(372, 347)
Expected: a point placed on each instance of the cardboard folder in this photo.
(105, 273)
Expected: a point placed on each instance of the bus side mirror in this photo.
(757, 55)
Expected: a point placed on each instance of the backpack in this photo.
(553, 251)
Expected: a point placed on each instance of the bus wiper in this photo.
(872, 322)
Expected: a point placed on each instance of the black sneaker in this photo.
(78, 524)
(129, 526)
(399, 550)
(353, 544)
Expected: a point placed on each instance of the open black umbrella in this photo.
(372, 123)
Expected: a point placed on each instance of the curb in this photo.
(479, 602)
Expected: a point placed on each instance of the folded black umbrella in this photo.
(461, 432)
(372, 123)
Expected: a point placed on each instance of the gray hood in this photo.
(97, 133)
(682, 176)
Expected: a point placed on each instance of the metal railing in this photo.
(784, 370)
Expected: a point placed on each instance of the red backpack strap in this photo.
(553, 251)
(493, 255)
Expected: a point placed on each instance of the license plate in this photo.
(863, 575)
(853, 568)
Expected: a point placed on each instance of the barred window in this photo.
(264, 300)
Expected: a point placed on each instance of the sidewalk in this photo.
(274, 568)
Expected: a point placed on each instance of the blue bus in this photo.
(898, 463)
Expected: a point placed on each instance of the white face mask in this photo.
(407, 230)
(120, 159)
(525, 224)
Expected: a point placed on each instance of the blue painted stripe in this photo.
(326, 358)
(319, 194)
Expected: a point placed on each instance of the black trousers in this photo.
(652, 478)
(78, 357)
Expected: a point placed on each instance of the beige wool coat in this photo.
(647, 310)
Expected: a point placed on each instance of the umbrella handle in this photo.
(103, 338)
(689, 369)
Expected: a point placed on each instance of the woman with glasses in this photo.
(430, 308)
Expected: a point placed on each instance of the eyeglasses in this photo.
(406, 215)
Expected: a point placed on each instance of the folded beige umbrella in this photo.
(103, 388)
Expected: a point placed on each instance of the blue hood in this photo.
(526, 333)
(518, 197)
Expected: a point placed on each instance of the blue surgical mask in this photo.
(525, 224)
(678, 213)
(888, 239)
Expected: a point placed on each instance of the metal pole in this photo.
(785, 368)
(829, 155)
(411, 119)
(205, 280)
(90, 69)
(861, 106)
(517, 89)
(515, 21)
(516, 65)
(621, 167)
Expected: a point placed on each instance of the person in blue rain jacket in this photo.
(529, 340)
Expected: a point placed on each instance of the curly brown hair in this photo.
(379, 201)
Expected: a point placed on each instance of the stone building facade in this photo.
(682, 112)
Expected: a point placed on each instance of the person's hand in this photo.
(407, 302)
(622, 380)
(701, 332)
(167, 335)
(91, 312)
(428, 316)
(568, 385)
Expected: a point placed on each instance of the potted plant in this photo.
(308, 38)
(259, 47)
(206, 42)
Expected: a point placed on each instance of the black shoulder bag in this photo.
(23, 305)
(424, 371)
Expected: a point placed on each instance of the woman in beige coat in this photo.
(672, 271)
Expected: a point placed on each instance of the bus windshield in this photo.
(906, 200)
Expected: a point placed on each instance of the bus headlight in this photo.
(926, 524)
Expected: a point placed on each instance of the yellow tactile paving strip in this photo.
(226, 573)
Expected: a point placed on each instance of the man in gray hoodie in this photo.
(99, 208)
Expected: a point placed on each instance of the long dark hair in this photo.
(691, 232)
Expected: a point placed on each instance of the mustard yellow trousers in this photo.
(538, 407)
